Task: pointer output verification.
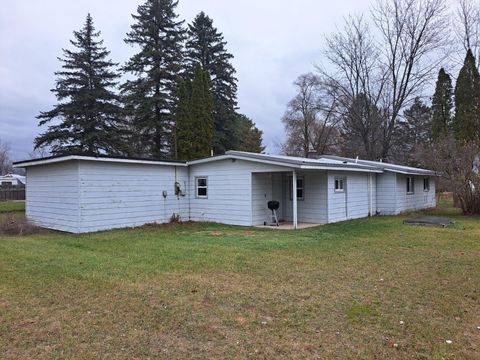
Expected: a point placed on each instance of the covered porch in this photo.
(302, 198)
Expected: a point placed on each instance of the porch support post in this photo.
(294, 199)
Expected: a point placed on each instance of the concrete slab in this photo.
(287, 226)
(429, 220)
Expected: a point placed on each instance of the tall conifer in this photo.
(150, 96)
(193, 136)
(88, 110)
(466, 123)
(206, 46)
(442, 106)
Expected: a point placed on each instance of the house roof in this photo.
(104, 158)
(324, 162)
(401, 169)
(17, 177)
(291, 162)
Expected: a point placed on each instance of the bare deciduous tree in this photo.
(467, 26)
(357, 80)
(377, 77)
(311, 119)
(5, 162)
(413, 35)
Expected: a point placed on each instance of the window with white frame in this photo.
(340, 184)
(300, 188)
(410, 185)
(426, 184)
(201, 187)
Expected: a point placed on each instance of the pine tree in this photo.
(206, 46)
(88, 110)
(250, 137)
(150, 97)
(194, 117)
(415, 130)
(442, 106)
(466, 122)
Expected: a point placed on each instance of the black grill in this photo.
(273, 205)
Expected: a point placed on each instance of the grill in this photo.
(274, 205)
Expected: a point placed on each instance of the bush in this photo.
(15, 224)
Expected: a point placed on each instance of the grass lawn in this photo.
(7, 206)
(371, 288)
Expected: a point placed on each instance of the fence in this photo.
(8, 193)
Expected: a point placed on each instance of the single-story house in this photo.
(12, 180)
(80, 194)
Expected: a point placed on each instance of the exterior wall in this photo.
(386, 190)
(230, 195)
(262, 192)
(83, 196)
(52, 194)
(313, 208)
(392, 197)
(115, 195)
(354, 201)
(420, 199)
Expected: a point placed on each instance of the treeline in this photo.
(370, 94)
(178, 98)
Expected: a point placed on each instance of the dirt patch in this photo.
(15, 224)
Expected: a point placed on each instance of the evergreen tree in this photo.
(442, 106)
(88, 109)
(413, 131)
(184, 134)
(206, 46)
(250, 137)
(194, 117)
(466, 123)
(150, 97)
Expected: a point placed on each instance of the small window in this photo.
(339, 184)
(410, 185)
(201, 187)
(426, 184)
(300, 188)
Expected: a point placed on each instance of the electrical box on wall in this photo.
(165, 193)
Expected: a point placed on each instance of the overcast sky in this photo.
(273, 41)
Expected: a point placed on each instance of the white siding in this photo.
(52, 196)
(230, 197)
(114, 195)
(262, 192)
(353, 202)
(419, 199)
(313, 208)
(386, 190)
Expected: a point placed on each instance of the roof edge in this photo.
(104, 158)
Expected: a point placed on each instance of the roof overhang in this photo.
(59, 159)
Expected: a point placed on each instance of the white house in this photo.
(84, 193)
(12, 179)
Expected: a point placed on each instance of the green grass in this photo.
(8, 206)
(368, 288)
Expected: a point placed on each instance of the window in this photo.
(300, 187)
(339, 184)
(426, 184)
(410, 185)
(201, 190)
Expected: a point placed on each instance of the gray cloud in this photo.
(273, 41)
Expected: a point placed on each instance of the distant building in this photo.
(12, 180)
